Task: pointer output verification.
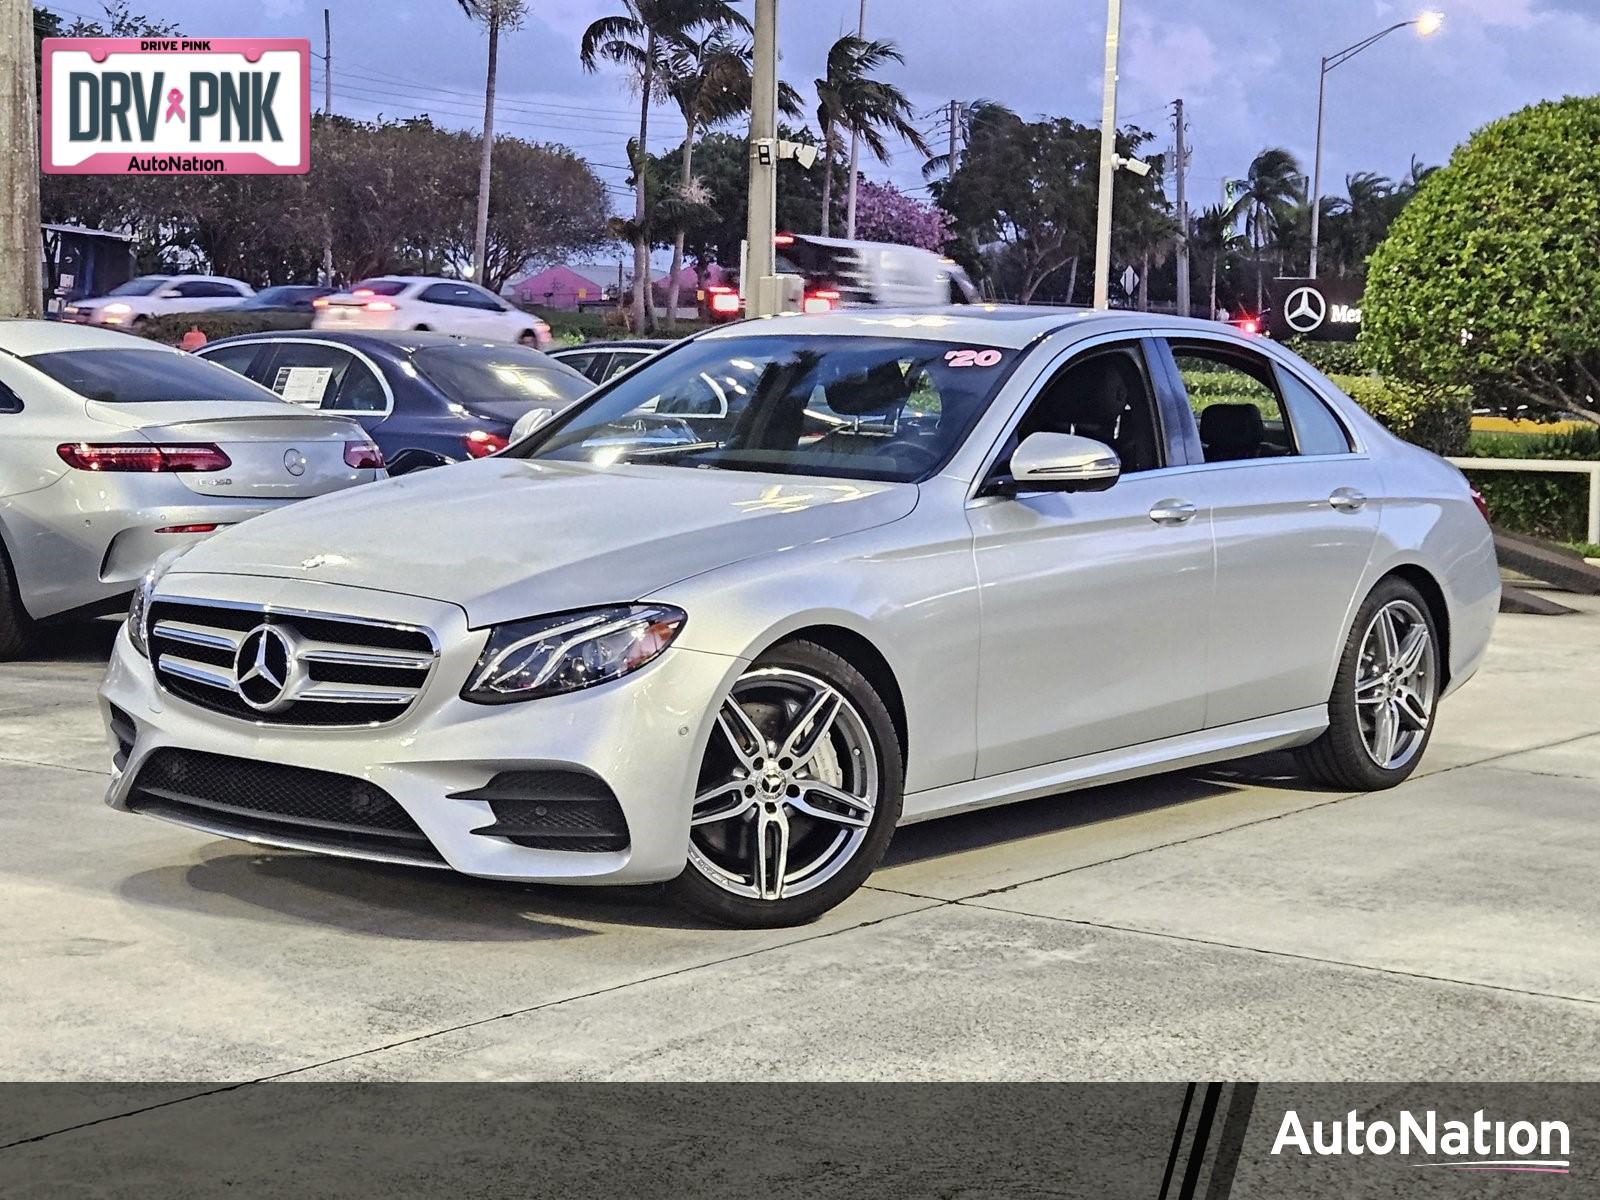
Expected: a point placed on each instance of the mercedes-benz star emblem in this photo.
(1305, 309)
(263, 667)
(294, 462)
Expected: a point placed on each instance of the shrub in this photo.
(1435, 418)
(1489, 275)
(1548, 506)
(171, 328)
(1331, 358)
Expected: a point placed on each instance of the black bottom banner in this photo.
(1177, 1141)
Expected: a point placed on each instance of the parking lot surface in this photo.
(1220, 923)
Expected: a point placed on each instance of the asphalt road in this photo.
(1218, 924)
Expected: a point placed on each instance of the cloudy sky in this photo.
(1246, 68)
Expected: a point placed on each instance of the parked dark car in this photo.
(285, 297)
(601, 360)
(427, 399)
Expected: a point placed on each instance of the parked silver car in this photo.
(735, 616)
(114, 450)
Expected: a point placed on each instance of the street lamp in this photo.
(1427, 24)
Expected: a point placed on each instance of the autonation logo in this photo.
(1478, 1144)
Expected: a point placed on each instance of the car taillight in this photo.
(141, 456)
(320, 302)
(380, 306)
(1483, 505)
(363, 456)
(724, 300)
(480, 444)
(823, 301)
(189, 529)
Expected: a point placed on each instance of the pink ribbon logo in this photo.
(175, 105)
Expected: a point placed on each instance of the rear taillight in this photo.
(363, 456)
(1483, 505)
(820, 302)
(480, 444)
(724, 300)
(141, 456)
(320, 302)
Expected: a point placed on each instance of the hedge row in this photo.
(171, 328)
(1549, 506)
(1435, 418)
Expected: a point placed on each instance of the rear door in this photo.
(1295, 507)
(456, 310)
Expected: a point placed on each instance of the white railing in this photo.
(1558, 466)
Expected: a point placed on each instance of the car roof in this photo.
(412, 279)
(1011, 326)
(619, 344)
(398, 341)
(24, 337)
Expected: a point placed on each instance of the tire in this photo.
(831, 840)
(1349, 754)
(17, 628)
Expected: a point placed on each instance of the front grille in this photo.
(553, 809)
(245, 797)
(318, 670)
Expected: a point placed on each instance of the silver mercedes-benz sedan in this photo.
(731, 619)
(115, 450)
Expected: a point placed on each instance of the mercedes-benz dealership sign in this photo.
(1320, 309)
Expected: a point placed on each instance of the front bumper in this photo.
(644, 736)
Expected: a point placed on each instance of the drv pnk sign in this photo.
(176, 106)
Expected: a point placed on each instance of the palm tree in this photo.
(1213, 233)
(498, 15)
(636, 40)
(850, 100)
(1266, 195)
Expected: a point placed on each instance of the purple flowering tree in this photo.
(886, 214)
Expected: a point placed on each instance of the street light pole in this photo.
(1427, 24)
(1108, 159)
(761, 224)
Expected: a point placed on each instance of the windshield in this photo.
(880, 408)
(471, 374)
(145, 376)
(142, 286)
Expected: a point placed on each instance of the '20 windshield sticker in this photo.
(973, 358)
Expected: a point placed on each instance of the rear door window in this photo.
(327, 377)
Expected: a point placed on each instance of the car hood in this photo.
(508, 538)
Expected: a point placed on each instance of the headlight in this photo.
(546, 656)
(139, 610)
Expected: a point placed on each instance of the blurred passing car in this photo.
(426, 303)
(136, 301)
(425, 398)
(286, 298)
(601, 360)
(115, 450)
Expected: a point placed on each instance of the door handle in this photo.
(1172, 512)
(1347, 500)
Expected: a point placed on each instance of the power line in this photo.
(424, 104)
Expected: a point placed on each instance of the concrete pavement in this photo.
(1221, 923)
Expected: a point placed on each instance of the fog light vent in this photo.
(552, 809)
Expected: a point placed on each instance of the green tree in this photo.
(1214, 238)
(636, 40)
(1489, 277)
(496, 16)
(851, 100)
(1265, 202)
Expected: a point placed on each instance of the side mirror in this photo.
(529, 421)
(1063, 462)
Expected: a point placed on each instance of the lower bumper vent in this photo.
(555, 809)
(245, 798)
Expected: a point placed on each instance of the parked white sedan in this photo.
(134, 302)
(743, 610)
(423, 302)
(114, 450)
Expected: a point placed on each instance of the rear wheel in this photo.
(798, 794)
(1380, 715)
(17, 628)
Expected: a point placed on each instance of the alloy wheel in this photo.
(788, 787)
(1395, 684)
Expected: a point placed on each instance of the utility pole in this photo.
(327, 111)
(21, 282)
(480, 235)
(761, 227)
(1183, 208)
(953, 161)
(1108, 159)
(855, 151)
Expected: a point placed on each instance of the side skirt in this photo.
(1276, 732)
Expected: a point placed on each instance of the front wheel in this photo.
(1380, 715)
(798, 794)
